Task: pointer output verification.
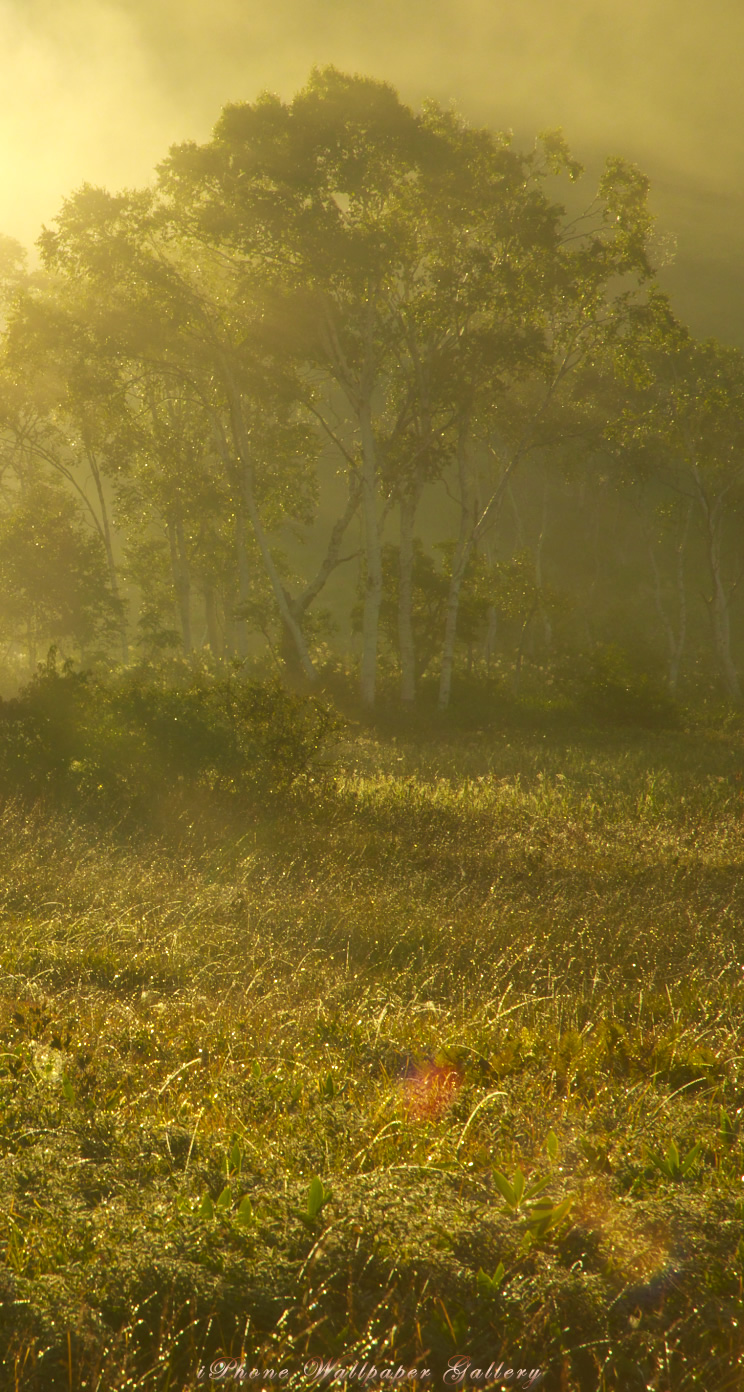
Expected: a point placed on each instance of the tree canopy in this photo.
(340, 371)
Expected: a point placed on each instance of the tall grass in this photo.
(445, 967)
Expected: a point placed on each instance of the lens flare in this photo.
(430, 1089)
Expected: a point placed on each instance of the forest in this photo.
(354, 389)
(371, 644)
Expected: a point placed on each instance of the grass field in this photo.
(285, 1083)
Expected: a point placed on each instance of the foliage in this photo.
(610, 686)
(53, 580)
(123, 742)
(335, 285)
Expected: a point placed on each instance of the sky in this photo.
(97, 90)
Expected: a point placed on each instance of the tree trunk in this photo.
(372, 556)
(210, 615)
(460, 559)
(105, 530)
(242, 450)
(720, 618)
(288, 619)
(229, 600)
(244, 583)
(31, 641)
(181, 579)
(676, 655)
(472, 528)
(406, 641)
(722, 642)
(490, 638)
(517, 678)
(332, 558)
(718, 604)
(675, 640)
(539, 581)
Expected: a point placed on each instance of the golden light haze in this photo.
(96, 91)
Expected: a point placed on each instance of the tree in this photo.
(578, 292)
(63, 407)
(174, 313)
(417, 269)
(340, 284)
(53, 576)
(317, 196)
(684, 425)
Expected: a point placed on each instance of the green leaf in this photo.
(68, 1091)
(206, 1208)
(518, 1182)
(235, 1158)
(505, 1189)
(533, 1190)
(727, 1128)
(561, 1210)
(545, 1215)
(597, 1155)
(662, 1163)
(224, 1202)
(317, 1196)
(540, 1216)
(671, 1164)
(690, 1158)
(245, 1215)
(551, 1145)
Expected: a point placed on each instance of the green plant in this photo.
(127, 742)
(546, 1216)
(317, 1198)
(517, 1191)
(489, 1285)
(672, 1164)
(726, 1128)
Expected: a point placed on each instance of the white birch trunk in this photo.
(373, 558)
(675, 638)
(280, 594)
(465, 543)
(675, 659)
(181, 580)
(242, 449)
(105, 530)
(244, 580)
(718, 604)
(406, 641)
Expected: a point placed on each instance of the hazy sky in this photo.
(97, 90)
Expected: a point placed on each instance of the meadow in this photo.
(436, 1053)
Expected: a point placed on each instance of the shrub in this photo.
(121, 741)
(607, 685)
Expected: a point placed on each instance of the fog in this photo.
(97, 91)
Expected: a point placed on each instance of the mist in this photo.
(97, 92)
(371, 694)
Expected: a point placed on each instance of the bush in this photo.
(122, 741)
(606, 684)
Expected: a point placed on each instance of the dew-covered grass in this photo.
(449, 964)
